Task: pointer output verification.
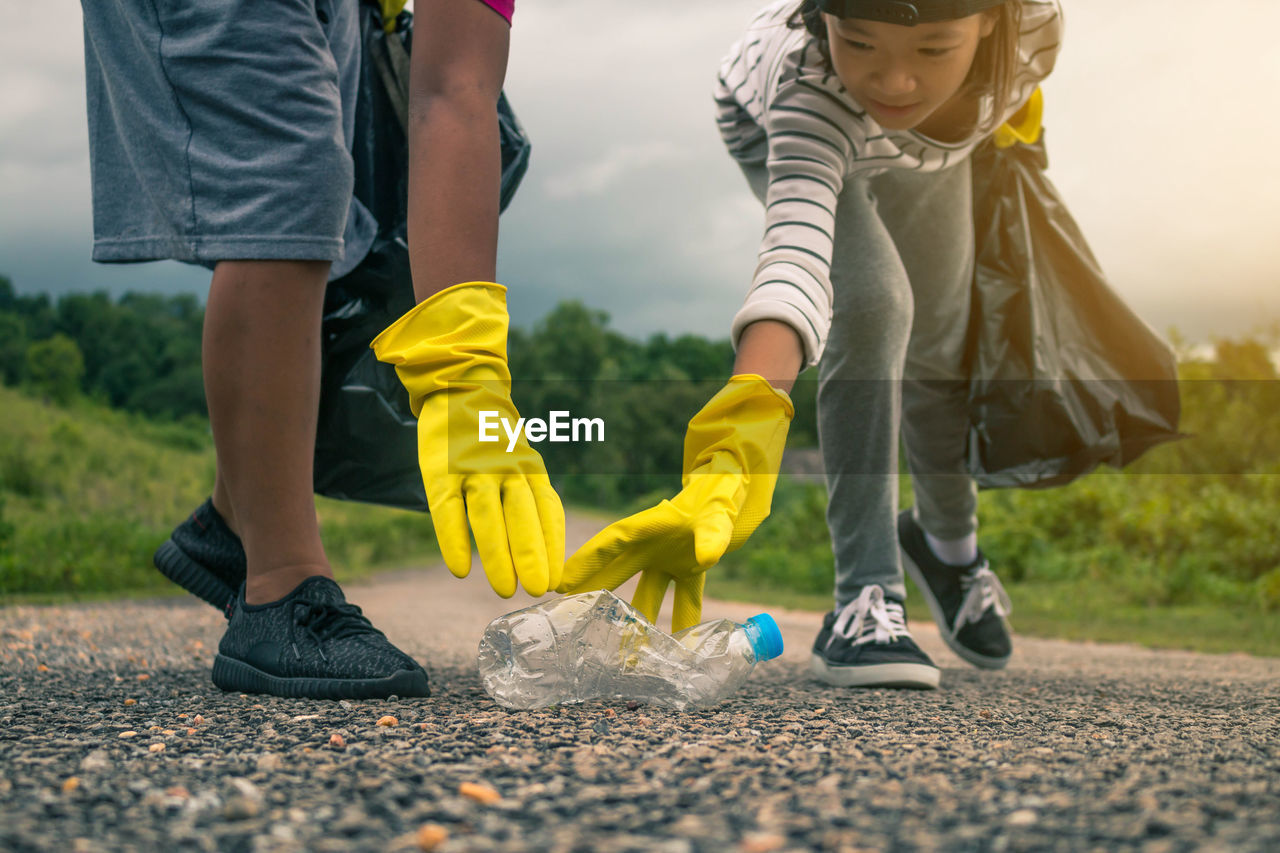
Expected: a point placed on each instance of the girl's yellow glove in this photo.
(732, 452)
(1025, 125)
(450, 353)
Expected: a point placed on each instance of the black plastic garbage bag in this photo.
(1064, 376)
(366, 440)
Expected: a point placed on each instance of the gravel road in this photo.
(112, 737)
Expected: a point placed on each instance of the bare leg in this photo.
(261, 355)
(222, 498)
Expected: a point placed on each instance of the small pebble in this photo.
(336, 741)
(131, 701)
(197, 720)
(70, 784)
(142, 676)
(128, 734)
(156, 747)
(388, 721)
(431, 835)
(241, 808)
(761, 842)
(479, 793)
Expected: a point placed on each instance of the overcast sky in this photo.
(1160, 132)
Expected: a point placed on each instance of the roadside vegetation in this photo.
(1180, 550)
(87, 493)
(104, 446)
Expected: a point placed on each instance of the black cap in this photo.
(905, 13)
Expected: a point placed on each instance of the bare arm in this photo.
(458, 64)
(772, 349)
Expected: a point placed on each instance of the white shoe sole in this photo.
(913, 675)
(940, 618)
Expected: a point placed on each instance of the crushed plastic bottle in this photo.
(596, 646)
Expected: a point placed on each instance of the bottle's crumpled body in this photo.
(596, 646)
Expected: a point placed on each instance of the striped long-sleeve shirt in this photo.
(778, 104)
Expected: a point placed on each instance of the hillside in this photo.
(87, 493)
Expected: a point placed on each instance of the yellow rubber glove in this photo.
(732, 452)
(450, 353)
(391, 10)
(1023, 126)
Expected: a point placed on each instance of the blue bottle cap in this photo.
(765, 638)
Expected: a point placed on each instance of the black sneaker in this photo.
(204, 557)
(867, 644)
(312, 644)
(967, 602)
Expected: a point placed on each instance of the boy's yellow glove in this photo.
(450, 353)
(391, 10)
(732, 452)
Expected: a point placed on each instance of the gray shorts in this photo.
(222, 129)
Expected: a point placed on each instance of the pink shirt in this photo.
(505, 8)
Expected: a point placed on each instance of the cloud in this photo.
(619, 163)
(727, 224)
(631, 205)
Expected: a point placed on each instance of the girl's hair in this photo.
(994, 65)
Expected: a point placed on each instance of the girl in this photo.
(852, 121)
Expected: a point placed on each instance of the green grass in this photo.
(1089, 611)
(87, 493)
(1073, 611)
(1164, 560)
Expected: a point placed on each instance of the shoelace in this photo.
(982, 591)
(870, 618)
(324, 620)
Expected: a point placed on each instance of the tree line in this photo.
(141, 353)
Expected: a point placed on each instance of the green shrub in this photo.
(55, 367)
(81, 555)
(1268, 588)
(20, 475)
(791, 549)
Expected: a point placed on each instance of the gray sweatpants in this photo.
(901, 275)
